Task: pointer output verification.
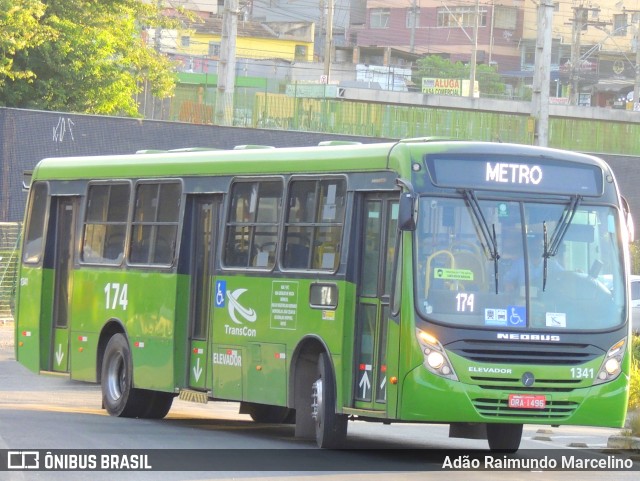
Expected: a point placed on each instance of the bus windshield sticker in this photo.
(517, 316)
(556, 319)
(495, 317)
(453, 274)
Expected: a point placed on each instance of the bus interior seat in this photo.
(296, 256)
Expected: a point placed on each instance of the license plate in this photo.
(527, 401)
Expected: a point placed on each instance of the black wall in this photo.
(28, 136)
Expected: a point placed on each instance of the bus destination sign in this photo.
(520, 174)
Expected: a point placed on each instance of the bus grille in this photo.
(515, 384)
(525, 352)
(498, 408)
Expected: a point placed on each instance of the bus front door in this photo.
(60, 258)
(204, 218)
(372, 342)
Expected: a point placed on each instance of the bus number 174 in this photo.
(116, 295)
(464, 302)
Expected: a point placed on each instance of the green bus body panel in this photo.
(144, 303)
(266, 380)
(227, 372)
(28, 310)
(257, 323)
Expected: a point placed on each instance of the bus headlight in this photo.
(435, 357)
(611, 366)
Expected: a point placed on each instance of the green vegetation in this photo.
(80, 55)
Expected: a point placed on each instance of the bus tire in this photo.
(119, 397)
(157, 404)
(504, 437)
(330, 427)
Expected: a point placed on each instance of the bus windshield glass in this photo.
(495, 263)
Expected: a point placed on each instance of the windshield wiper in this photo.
(551, 246)
(489, 235)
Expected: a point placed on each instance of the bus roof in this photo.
(328, 157)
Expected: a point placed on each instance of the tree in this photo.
(438, 67)
(90, 56)
(19, 30)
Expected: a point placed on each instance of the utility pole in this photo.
(474, 51)
(328, 39)
(580, 22)
(227, 64)
(412, 38)
(542, 73)
(575, 54)
(636, 85)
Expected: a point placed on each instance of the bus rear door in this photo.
(373, 344)
(59, 256)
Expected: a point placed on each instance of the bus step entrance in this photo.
(193, 396)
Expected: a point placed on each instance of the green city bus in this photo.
(482, 285)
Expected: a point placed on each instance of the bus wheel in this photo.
(119, 397)
(504, 437)
(331, 428)
(158, 404)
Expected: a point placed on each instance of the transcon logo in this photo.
(490, 370)
(514, 336)
(247, 314)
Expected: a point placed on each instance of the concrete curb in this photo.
(623, 442)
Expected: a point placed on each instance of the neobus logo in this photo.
(514, 336)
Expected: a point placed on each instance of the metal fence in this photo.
(279, 111)
(9, 237)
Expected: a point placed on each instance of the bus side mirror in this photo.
(407, 212)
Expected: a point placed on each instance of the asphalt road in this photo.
(54, 413)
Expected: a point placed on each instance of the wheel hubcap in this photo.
(116, 378)
(316, 400)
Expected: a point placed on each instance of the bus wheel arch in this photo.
(314, 395)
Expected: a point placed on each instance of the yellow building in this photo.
(292, 41)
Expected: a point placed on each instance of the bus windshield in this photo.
(495, 263)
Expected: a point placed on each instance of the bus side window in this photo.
(315, 218)
(33, 242)
(252, 224)
(105, 223)
(155, 223)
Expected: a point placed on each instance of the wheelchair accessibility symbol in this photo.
(220, 293)
(517, 316)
